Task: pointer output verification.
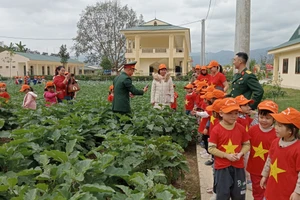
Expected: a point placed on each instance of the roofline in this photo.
(158, 20)
(277, 50)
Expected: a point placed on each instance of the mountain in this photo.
(225, 57)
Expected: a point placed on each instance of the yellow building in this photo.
(157, 42)
(287, 61)
(21, 64)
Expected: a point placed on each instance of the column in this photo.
(185, 58)
(27, 69)
(171, 56)
(275, 69)
(137, 52)
(242, 26)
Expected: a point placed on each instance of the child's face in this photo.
(266, 121)
(190, 90)
(2, 89)
(230, 118)
(50, 89)
(282, 131)
(246, 109)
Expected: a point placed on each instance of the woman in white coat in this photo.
(162, 91)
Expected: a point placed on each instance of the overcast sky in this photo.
(272, 21)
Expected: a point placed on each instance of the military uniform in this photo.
(122, 87)
(246, 83)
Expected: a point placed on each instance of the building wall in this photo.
(289, 80)
(9, 64)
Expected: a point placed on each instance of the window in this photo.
(7, 67)
(14, 66)
(31, 70)
(48, 70)
(0, 67)
(285, 66)
(43, 70)
(297, 66)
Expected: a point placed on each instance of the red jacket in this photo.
(60, 86)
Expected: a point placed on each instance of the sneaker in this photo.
(206, 155)
(209, 162)
(213, 197)
(203, 152)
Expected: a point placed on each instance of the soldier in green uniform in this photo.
(245, 82)
(122, 87)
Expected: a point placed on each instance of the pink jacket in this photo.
(50, 98)
(30, 101)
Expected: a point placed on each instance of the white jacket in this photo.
(162, 91)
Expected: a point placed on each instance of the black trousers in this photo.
(229, 183)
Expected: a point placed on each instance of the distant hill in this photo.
(225, 57)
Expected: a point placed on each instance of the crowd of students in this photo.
(54, 92)
(244, 146)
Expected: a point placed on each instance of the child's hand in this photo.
(231, 157)
(263, 182)
(295, 196)
(193, 112)
(205, 131)
(238, 155)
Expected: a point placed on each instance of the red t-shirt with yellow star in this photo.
(206, 78)
(260, 144)
(218, 80)
(213, 122)
(285, 166)
(229, 141)
(190, 101)
(245, 121)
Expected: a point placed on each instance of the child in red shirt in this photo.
(282, 167)
(174, 104)
(261, 138)
(189, 98)
(3, 92)
(244, 118)
(110, 97)
(228, 142)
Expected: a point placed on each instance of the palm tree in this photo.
(21, 47)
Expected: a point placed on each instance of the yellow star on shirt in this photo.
(230, 147)
(186, 102)
(212, 119)
(275, 170)
(260, 151)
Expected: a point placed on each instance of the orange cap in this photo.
(201, 84)
(204, 68)
(207, 96)
(189, 86)
(241, 100)
(24, 87)
(162, 66)
(268, 105)
(2, 85)
(196, 82)
(219, 94)
(49, 84)
(209, 88)
(111, 87)
(216, 106)
(288, 116)
(229, 104)
(213, 63)
(198, 67)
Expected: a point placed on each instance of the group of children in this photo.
(29, 101)
(267, 148)
(27, 80)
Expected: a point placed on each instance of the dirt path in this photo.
(191, 183)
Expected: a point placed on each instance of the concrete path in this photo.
(206, 177)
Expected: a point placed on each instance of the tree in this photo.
(63, 54)
(20, 47)
(105, 63)
(98, 33)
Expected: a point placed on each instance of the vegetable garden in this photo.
(81, 151)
